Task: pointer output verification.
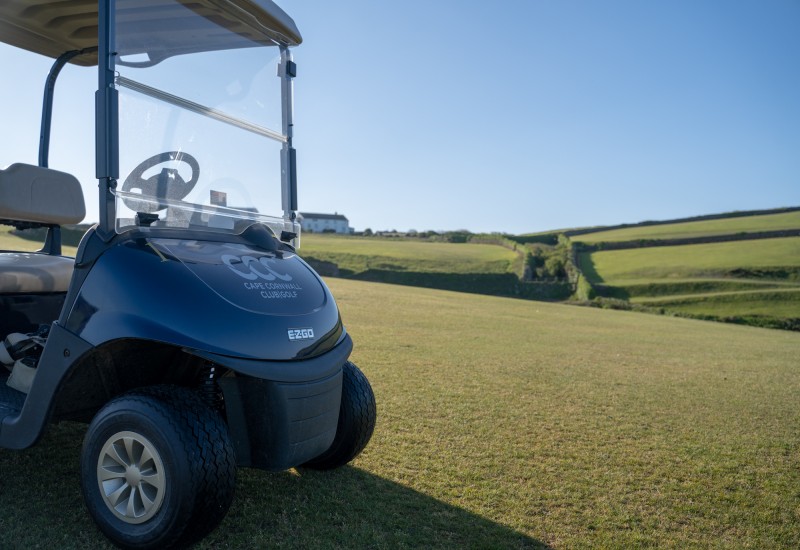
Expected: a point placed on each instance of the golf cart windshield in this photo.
(202, 130)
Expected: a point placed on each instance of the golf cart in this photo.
(186, 331)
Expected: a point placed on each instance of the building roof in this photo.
(315, 216)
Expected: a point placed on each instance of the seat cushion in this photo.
(40, 195)
(28, 272)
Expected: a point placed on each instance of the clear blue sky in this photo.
(514, 115)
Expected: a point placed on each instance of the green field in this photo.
(642, 265)
(724, 280)
(725, 226)
(509, 424)
(777, 302)
(360, 254)
(12, 242)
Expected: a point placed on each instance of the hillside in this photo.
(711, 261)
(354, 255)
(729, 268)
(488, 264)
(724, 226)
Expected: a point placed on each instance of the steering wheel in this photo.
(167, 184)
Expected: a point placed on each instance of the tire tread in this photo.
(357, 416)
(203, 436)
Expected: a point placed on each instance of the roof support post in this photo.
(107, 118)
(287, 70)
(47, 103)
(52, 243)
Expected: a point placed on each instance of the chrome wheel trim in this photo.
(131, 478)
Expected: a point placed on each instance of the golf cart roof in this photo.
(52, 27)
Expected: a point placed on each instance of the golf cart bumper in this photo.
(282, 414)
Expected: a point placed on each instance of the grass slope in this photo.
(642, 265)
(720, 279)
(780, 302)
(359, 254)
(725, 226)
(510, 424)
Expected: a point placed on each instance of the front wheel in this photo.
(157, 468)
(357, 415)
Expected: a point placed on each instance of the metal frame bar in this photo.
(197, 108)
(286, 71)
(47, 102)
(106, 119)
(52, 243)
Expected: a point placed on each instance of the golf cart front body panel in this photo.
(282, 411)
(276, 426)
(285, 414)
(140, 289)
(62, 351)
(252, 280)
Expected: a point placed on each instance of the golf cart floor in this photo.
(11, 400)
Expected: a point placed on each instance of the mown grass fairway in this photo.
(725, 226)
(510, 424)
(360, 254)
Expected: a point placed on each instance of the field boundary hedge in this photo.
(707, 217)
(521, 265)
(708, 239)
(761, 321)
(493, 284)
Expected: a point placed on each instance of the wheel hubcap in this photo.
(130, 475)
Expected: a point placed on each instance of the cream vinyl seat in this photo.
(39, 196)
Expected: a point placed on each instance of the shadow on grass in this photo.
(588, 268)
(596, 280)
(42, 507)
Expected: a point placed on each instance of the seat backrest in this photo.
(40, 195)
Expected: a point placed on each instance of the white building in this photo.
(324, 223)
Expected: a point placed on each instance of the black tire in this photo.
(192, 449)
(356, 421)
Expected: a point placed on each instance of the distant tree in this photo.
(555, 266)
(460, 236)
(368, 232)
